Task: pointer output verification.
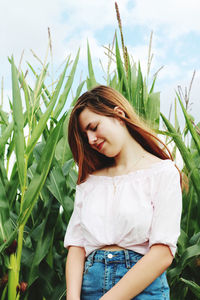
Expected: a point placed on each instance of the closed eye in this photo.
(95, 128)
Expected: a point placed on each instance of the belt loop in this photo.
(92, 256)
(127, 259)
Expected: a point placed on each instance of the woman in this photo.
(123, 232)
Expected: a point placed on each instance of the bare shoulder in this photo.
(153, 159)
(149, 160)
(145, 163)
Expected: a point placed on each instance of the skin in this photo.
(111, 137)
(121, 146)
(100, 129)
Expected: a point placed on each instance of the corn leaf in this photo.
(42, 170)
(57, 186)
(5, 136)
(27, 96)
(121, 72)
(18, 119)
(187, 157)
(4, 215)
(43, 120)
(64, 95)
(91, 81)
(43, 85)
(191, 128)
(44, 239)
(152, 110)
(4, 116)
(38, 88)
(193, 286)
(78, 92)
(188, 254)
(139, 102)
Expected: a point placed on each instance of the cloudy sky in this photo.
(176, 38)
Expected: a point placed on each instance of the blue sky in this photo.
(176, 38)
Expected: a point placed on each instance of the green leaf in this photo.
(67, 167)
(187, 157)
(3, 296)
(63, 152)
(42, 170)
(12, 186)
(27, 96)
(5, 226)
(18, 119)
(68, 85)
(122, 73)
(195, 136)
(153, 109)
(56, 185)
(4, 116)
(38, 86)
(44, 239)
(9, 240)
(43, 120)
(139, 103)
(182, 242)
(184, 260)
(193, 286)
(153, 84)
(43, 85)
(91, 81)
(78, 92)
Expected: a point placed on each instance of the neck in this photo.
(129, 155)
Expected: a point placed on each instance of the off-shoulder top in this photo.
(133, 211)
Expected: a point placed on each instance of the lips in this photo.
(100, 145)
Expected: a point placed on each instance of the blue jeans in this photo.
(103, 269)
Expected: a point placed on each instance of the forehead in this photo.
(87, 116)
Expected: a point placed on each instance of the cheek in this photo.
(102, 132)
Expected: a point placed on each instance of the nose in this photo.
(91, 137)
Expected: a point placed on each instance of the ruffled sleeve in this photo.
(167, 205)
(73, 235)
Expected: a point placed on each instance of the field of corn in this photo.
(37, 190)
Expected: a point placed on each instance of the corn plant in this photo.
(36, 198)
(131, 84)
(184, 273)
(30, 199)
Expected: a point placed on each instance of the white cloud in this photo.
(89, 14)
(170, 72)
(176, 17)
(24, 26)
(24, 23)
(168, 94)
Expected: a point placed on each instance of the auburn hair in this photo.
(102, 100)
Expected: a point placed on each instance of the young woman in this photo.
(123, 232)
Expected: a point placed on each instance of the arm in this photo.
(74, 272)
(144, 272)
(165, 229)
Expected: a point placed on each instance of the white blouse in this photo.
(133, 211)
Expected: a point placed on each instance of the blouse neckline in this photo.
(153, 166)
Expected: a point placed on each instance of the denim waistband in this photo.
(120, 256)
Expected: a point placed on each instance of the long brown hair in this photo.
(102, 100)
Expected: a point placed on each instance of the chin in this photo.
(111, 154)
